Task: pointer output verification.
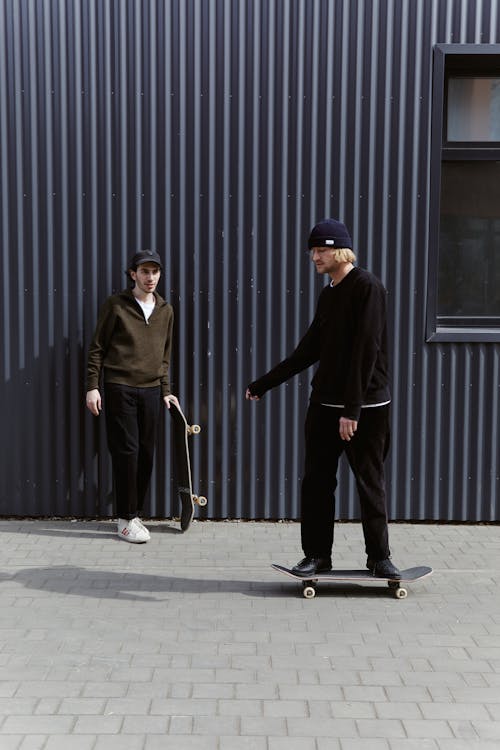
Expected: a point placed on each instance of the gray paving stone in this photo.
(144, 725)
(177, 742)
(11, 742)
(488, 730)
(216, 725)
(449, 711)
(380, 728)
(71, 742)
(37, 725)
(408, 694)
(33, 742)
(127, 706)
(420, 744)
(49, 688)
(352, 710)
(220, 691)
(394, 710)
(426, 729)
(22, 706)
(310, 692)
(8, 689)
(180, 725)
(183, 707)
(467, 745)
(243, 707)
(120, 742)
(243, 743)
(291, 743)
(319, 709)
(384, 679)
(335, 728)
(365, 693)
(105, 689)
(285, 708)
(266, 727)
(358, 744)
(81, 706)
(98, 724)
(47, 706)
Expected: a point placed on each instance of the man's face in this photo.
(146, 277)
(324, 259)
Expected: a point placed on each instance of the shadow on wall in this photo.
(51, 448)
(54, 452)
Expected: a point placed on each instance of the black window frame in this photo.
(470, 60)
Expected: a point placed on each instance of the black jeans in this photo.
(131, 424)
(366, 452)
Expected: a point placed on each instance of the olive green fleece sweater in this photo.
(128, 350)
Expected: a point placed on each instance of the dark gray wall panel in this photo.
(218, 131)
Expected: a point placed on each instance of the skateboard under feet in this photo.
(361, 576)
(181, 431)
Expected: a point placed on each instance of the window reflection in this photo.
(473, 109)
(469, 248)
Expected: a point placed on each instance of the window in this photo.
(464, 242)
(473, 112)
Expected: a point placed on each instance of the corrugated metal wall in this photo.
(218, 131)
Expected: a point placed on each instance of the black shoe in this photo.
(383, 569)
(309, 566)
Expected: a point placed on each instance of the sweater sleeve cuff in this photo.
(352, 412)
(257, 389)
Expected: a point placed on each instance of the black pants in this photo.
(366, 452)
(131, 424)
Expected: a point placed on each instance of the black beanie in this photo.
(330, 233)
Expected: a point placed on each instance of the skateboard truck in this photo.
(198, 499)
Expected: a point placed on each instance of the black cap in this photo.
(145, 256)
(330, 233)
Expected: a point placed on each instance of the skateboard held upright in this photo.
(181, 431)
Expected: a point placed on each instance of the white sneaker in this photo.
(130, 531)
(138, 522)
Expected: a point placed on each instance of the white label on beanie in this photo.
(329, 242)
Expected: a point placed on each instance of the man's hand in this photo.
(347, 428)
(93, 402)
(249, 396)
(170, 399)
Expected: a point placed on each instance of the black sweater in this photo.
(348, 337)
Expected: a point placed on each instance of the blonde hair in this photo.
(344, 255)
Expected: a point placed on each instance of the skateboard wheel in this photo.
(400, 593)
(201, 500)
(309, 592)
(194, 429)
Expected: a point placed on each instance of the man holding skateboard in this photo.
(130, 350)
(349, 404)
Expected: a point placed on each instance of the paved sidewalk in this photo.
(192, 642)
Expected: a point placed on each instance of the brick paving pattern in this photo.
(192, 642)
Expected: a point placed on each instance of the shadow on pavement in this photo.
(82, 530)
(73, 580)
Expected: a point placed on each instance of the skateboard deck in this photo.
(181, 431)
(357, 576)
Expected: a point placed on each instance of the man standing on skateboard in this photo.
(131, 351)
(349, 404)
